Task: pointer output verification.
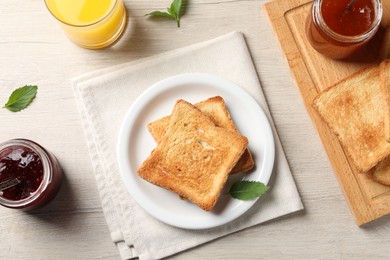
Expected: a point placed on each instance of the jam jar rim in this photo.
(319, 22)
(47, 172)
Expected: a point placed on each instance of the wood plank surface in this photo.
(313, 73)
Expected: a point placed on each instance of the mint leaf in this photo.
(21, 98)
(174, 12)
(161, 14)
(247, 190)
(177, 5)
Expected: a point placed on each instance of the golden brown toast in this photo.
(194, 157)
(353, 108)
(214, 108)
(385, 87)
(381, 172)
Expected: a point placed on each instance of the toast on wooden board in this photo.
(381, 172)
(353, 109)
(214, 108)
(385, 87)
(194, 157)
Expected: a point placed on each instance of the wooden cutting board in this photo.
(313, 73)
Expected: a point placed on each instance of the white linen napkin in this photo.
(104, 97)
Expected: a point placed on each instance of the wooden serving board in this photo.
(313, 73)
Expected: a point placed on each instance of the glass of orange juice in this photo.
(91, 24)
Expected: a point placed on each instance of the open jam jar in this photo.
(337, 29)
(30, 176)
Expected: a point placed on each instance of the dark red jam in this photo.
(20, 163)
(339, 32)
(30, 176)
(351, 21)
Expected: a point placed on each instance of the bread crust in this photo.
(214, 108)
(193, 157)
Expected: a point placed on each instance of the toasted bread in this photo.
(194, 157)
(385, 87)
(381, 172)
(214, 108)
(353, 109)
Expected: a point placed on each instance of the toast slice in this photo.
(194, 157)
(385, 87)
(353, 109)
(381, 172)
(214, 108)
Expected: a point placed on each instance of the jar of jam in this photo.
(338, 28)
(30, 176)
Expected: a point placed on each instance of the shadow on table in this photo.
(377, 225)
(129, 41)
(60, 211)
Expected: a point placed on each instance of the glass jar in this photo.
(33, 172)
(337, 31)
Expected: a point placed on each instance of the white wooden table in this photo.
(34, 50)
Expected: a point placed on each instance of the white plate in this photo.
(135, 144)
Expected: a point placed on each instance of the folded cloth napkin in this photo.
(104, 97)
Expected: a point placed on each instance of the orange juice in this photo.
(90, 23)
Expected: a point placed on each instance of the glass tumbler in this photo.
(91, 24)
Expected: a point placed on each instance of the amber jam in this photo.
(337, 31)
(30, 176)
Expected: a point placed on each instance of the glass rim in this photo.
(84, 25)
(47, 172)
(317, 16)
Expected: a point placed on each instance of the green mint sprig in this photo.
(247, 190)
(174, 11)
(21, 98)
